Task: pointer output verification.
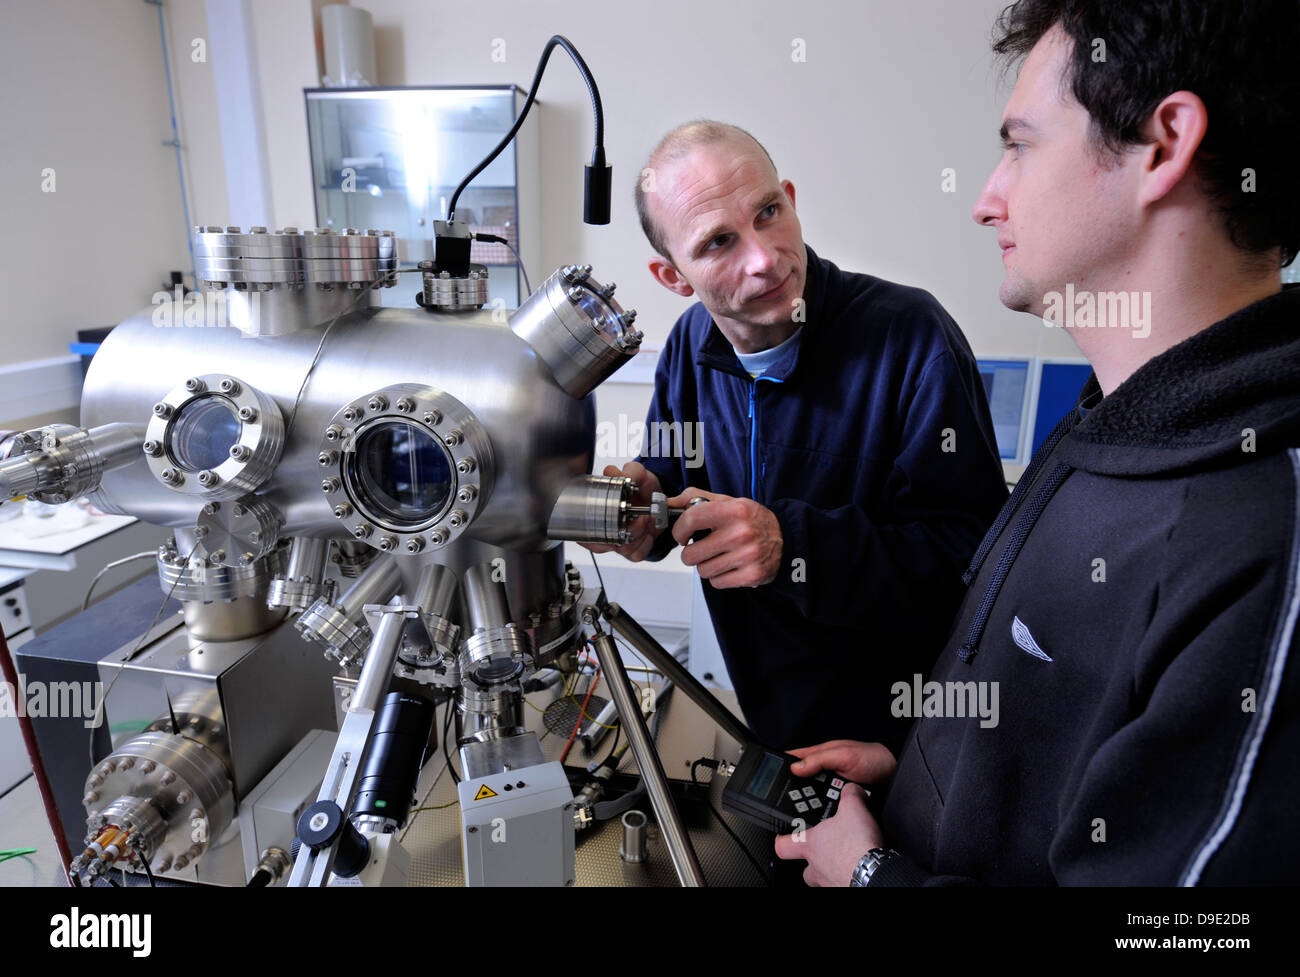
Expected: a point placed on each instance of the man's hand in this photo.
(642, 528)
(744, 547)
(863, 763)
(834, 848)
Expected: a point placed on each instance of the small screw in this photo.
(327, 458)
(467, 494)
(330, 485)
(362, 531)
(152, 448)
(414, 545)
(229, 386)
(406, 405)
(433, 417)
(333, 432)
(453, 438)
(239, 452)
(353, 414)
(378, 403)
(162, 410)
(465, 466)
(248, 413)
(195, 385)
(456, 519)
(386, 543)
(209, 478)
(342, 510)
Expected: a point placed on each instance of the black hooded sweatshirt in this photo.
(1136, 603)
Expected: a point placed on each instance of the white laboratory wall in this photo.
(85, 97)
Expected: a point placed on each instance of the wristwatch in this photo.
(868, 864)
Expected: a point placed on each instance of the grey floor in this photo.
(23, 825)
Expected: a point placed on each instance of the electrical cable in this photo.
(151, 554)
(103, 699)
(598, 152)
(519, 262)
(712, 765)
(446, 726)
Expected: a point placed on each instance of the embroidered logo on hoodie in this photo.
(1021, 636)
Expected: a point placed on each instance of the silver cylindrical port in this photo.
(634, 847)
(485, 598)
(598, 727)
(375, 586)
(590, 510)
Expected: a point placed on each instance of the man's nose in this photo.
(760, 255)
(991, 205)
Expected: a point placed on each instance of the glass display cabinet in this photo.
(390, 158)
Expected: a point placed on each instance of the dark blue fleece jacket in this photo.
(871, 442)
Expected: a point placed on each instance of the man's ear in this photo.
(667, 275)
(1174, 134)
(788, 187)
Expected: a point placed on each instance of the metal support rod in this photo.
(672, 669)
(647, 760)
(313, 868)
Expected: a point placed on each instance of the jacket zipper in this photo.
(753, 434)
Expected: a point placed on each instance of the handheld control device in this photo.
(763, 790)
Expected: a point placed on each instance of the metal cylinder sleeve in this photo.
(214, 437)
(591, 509)
(576, 327)
(303, 579)
(173, 790)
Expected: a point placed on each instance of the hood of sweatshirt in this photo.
(1222, 397)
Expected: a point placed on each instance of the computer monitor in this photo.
(1057, 382)
(1006, 385)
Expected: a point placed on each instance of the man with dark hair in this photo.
(847, 449)
(1136, 602)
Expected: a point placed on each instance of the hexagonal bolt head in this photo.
(219, 556)
(152, 448)
(433, 417)
(162, 410)
(327, 458)
(184, 797)
(405, 405)
(329, 485)
(172, 477)
(229, 386)
(414, 545)
(456, 519)
(453, 438)
(465, 466)
(362, 531)
(353, 414)
(333, 432)
(195, 385)
(608, 290)
(386, 543)
(467, 494)
(239, 452)
(248, 413)
(207, 478)
(342, 510)
(439, 536)
(378, 402)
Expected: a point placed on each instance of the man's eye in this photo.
(769, 210)
(716, 243)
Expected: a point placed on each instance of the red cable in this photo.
(581, 712)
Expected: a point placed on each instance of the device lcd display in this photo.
(765, 776)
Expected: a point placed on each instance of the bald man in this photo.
(847, 449)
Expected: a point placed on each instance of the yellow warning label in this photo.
(484, 792)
